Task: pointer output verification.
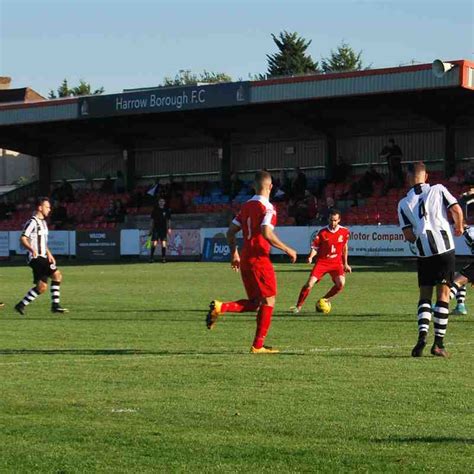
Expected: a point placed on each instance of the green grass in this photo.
(131, 381)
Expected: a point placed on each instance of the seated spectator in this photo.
(119, 183)
(364, 187)
(298, 209)
(64, 192)
(110, 214)
(284, 183)
(107, 185)
(299, 184)
(342, 171)
(6, 209)
(469, 175)
(205, 188)
(312, 204)
(59, 217)
(120, 211)
(236, 184)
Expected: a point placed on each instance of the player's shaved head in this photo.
(417, 172)
(263, 179)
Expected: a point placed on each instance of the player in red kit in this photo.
(257, 219)
(330, 249)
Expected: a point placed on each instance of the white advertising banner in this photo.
(129, 242)
(58, 242)
(15, 245)
(4, 244)
(365, 241)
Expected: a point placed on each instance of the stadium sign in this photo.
(4, 244)
(217, 250)
(98, 245)
(165, 99)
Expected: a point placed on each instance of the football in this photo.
(323, 306)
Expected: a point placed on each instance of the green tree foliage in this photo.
(291, 58)
(83, 88)
(187, 78)
(343, 59)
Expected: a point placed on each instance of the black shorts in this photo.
(159, 233)
(42, 269)
(468, 272)
(436, 270)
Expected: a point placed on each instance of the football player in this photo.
(331, 252)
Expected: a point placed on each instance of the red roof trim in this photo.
(345, 75)
(43, 103)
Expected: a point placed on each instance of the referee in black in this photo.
(160, 229)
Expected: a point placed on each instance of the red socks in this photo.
(332, 292)
(240, 306)
(303, 295)
(264, 319)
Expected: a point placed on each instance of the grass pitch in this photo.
(132, 381)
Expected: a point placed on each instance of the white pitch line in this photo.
(112, 358)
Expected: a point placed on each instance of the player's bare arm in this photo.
(409, 235)
(50, 256)
(311, 255)
(457, 215)
(232, 241)
(345, 254)
(274, 241)
(25, 241)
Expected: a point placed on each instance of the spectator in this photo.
(120, 211)
(64, 192)
(469, 175)
(236, 185)
(110, 214)
(393, 154)
(284, 183)
(6, 209)
(364, 187)
(312, 204)
(107, 185)
(299, 184)
(341, 171)
(119, 184)
(59, 217)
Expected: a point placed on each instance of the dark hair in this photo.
(39, 200)
(416, 167)
(391, 140)
(261, 176)
(334, 212)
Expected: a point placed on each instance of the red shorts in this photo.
(259, 278)
(334, 269)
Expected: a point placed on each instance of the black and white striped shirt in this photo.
(37, 232)
(469, 237)
(424, 210)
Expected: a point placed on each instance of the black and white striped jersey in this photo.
(424, 210)
(37, 231)
(468, 235)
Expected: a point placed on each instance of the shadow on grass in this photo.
(132, 352)
(425, 439)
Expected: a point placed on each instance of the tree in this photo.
(291, 58)
(343, 59)
(187, 78)
(84, 88)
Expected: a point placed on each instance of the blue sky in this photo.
(125, 44)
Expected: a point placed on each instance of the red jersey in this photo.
(330, 243)
(254, 214)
